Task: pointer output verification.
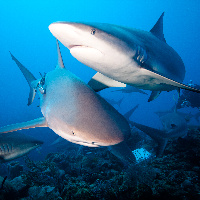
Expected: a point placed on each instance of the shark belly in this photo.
(135, 57)
(122, 68)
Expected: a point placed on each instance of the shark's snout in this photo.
(65, 32)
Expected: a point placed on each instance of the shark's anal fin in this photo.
(100, 82)
(39, 122)
(123, 152)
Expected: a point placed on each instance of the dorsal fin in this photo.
(157, 30)
(60, 61)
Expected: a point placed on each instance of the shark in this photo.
(114, 102)
(124, 56)
(13, 146)
(174, 126)
(129, 89)
(75, 112)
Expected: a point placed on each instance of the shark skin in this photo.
(75, 112)
(14, 145)
(174, 126)
(128, 56)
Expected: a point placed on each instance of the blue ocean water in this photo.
(24, 32)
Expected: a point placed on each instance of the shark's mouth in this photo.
(81, 52)
(75, 45)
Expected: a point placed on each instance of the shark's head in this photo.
(94, 44)
(174, 124)
(12, 146)
(135, 57)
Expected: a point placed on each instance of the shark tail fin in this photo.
(159, 136)
(128, 114)
(29, 78)
(120, 101)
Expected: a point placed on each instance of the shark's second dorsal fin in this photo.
(60, 60)
(29, 77)
(157, 30)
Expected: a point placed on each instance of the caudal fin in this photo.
(128, 114)
(159, 136)
(29, 77)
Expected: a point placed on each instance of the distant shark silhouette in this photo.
(123, 56)
(186, 116)
(16, 145)
(129, 89)
(114, 102)
(174, 126)
(75, 112)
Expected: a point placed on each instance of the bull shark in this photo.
(16, 145)
(174, 126)
(75, 112)
(122, 55)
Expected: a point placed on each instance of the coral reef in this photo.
(94, 173)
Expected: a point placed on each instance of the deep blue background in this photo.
(24, 31)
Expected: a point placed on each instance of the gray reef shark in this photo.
(174, 126)
(14, 145)
(122, 55)
(75, 112)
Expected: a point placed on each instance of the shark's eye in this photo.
(73, 133)
(93, 31)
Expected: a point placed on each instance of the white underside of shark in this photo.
(123, 56)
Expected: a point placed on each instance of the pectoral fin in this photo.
(39, 122)
(154, 95)
(29, 78)
(100, 82)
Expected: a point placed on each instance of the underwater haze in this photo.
(24, 32)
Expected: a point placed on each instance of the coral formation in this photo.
(94, 173)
